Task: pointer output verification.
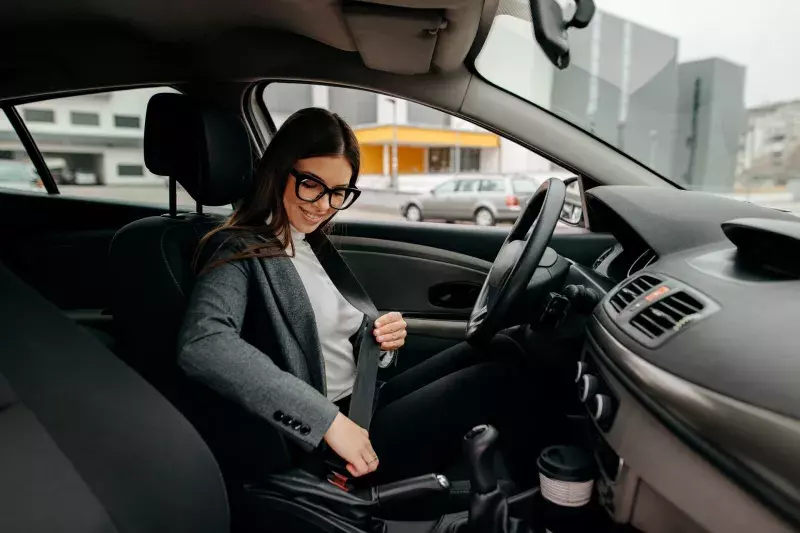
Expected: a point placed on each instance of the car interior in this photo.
(661, 322)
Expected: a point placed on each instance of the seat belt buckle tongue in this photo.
(339, 480)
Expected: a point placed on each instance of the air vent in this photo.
(669, 314)
(632, 290)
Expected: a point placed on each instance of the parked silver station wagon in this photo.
(484, 200)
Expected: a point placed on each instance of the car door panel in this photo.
(62, 250)
(577, 244)
(385, 269)
(411, 267)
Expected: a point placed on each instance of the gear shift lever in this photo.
(480, 448)
(488, 508)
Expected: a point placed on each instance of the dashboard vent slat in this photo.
(632, 290)
(668, 314)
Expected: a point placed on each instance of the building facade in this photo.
(770, 148)
(91, 139)
(428, 141)
(711, 119)
(622, 86)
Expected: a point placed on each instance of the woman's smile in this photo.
(312, 217)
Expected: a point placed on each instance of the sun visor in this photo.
(413, 37)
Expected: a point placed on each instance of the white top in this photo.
(337, 320)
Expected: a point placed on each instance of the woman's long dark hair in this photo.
(311, 132)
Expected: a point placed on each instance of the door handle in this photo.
(454, 294)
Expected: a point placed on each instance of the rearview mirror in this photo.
(551, 19)
(572, 212)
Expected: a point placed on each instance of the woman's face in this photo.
(334, 171)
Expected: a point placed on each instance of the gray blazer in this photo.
(250, 335)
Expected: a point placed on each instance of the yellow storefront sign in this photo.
(415, 136)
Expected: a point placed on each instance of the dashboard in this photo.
(691, 367)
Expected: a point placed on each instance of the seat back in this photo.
(207, 151)
(86, 444)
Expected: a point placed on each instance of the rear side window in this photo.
(16, 169)
(491, 186)
(93, 145)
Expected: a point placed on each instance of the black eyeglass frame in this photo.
(300, 177)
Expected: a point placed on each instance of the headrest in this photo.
(207, 150)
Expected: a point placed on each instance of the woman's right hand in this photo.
(351, 442)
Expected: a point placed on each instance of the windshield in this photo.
(700, 91)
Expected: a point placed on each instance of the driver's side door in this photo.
(431, 272)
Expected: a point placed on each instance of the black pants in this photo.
(424, 412)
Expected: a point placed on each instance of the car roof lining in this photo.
(435, 35)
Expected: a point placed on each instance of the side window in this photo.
(467, 185)
(93, 145)
(409, 150)
(446, 187)
(16, 170)
(491, 186)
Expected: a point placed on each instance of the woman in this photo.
(267, 328)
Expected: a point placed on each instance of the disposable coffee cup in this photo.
(566, 476)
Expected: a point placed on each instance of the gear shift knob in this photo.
(480, 447)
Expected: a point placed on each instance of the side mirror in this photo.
(572, 212)
(551, 19)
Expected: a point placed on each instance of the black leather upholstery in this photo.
(153, 273)
(86, 445)
(207, 150)
(151, 260)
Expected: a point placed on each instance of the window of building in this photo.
(38, 115)
(127, 121)
(356, 107)
(130, 170)
(423, 115)
(439, 160)
(470, 159)
(80, 118)
(101, 165)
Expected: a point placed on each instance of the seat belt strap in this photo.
(363, 397)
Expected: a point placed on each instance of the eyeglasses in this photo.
(310, 188)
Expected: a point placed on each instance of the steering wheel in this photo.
(517, 260)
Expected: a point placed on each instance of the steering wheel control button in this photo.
(566, 475)
(587, 387)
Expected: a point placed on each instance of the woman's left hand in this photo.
(390, 331)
